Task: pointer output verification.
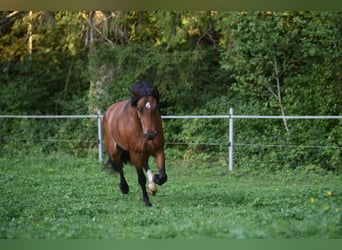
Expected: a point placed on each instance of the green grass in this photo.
(65, 197)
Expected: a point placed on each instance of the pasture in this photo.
(66, 197)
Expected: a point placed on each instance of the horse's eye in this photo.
(140, 109)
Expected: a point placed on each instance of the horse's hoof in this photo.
(152, 189)
(124, 189)
(159, 179)
(148, 204)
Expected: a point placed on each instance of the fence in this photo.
(98, 117)
(231, 118)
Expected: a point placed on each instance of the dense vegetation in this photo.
(203, 62)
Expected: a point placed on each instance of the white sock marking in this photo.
(152, 187)
(150, 176)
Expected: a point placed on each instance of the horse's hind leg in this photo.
(123, 183)
(118, 168)
(117, 165)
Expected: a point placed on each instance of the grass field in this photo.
(65, 197)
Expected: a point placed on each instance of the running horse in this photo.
(133, 132)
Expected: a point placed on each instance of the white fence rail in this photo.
(98, 117)
(231, 118)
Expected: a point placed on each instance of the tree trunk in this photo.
(29, 31)
(279, 97)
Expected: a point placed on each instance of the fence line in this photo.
(177, 117)
(187, 143)
(48, 116)
(231, 118)
(98, 116)
(288, 117)
(48, 140)
(195, 116)
(283, 145)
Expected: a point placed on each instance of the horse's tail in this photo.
(110, 166)
(114, 168)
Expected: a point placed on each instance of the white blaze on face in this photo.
(152, 187)
(148, 105)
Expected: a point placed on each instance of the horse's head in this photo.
(146, 100)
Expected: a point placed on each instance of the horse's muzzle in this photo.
(150, 135)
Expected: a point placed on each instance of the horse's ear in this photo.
(135, 96)
(155, 93)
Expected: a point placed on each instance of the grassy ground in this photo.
(64, 197)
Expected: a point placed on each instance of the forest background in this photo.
(203, 63)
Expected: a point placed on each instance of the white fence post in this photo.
(99, 134)
(230, 145)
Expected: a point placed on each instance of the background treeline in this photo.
(203, 62)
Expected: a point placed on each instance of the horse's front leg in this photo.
(137, 161)
(161, 177)
(152, 187)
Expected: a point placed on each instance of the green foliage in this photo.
(21, 137)
(203, 62)
(285, 63)
(112, 70)
(303, 48)
(66, 197)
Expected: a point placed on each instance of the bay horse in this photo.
(133, 132)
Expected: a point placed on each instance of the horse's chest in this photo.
(146, 147)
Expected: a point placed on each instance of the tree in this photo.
(271, 54)
(45, 66)
(286, 63)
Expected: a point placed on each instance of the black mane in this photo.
(141, 89)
